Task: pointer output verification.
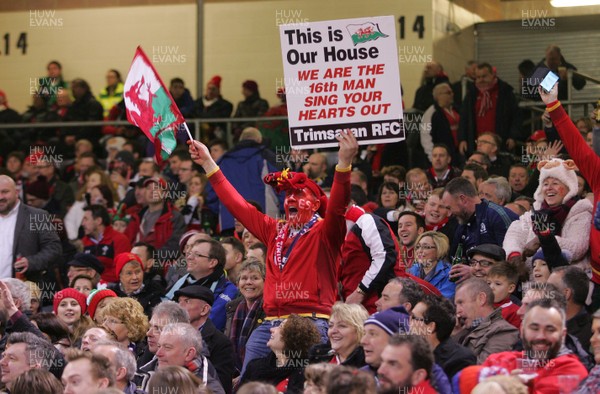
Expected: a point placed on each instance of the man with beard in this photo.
(305, 248)
(543, 332)
(406, 365)
(479, 221)
(27, 243)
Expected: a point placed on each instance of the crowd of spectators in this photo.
(257, 268)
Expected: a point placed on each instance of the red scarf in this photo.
(436, 227)
(486, 102)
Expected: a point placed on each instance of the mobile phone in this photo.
(549, 81)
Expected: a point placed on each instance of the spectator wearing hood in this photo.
(245, 166)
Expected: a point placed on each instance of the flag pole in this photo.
(188, 131)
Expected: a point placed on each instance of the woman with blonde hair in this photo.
(126, 319)
(431, 252)
(346, 329)
(168, 378)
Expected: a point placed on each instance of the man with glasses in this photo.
(488, 143)
(205, 267)
(483, 257)
(479, 158)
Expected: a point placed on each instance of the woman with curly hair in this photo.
(283, 367)
(126, 319)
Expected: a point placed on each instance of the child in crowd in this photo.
(503, 278)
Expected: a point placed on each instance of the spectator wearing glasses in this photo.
(205, 267)
(489, 143)
(481, 159)
(431, 252)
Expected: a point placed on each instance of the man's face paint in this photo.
(299, 207)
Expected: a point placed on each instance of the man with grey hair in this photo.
(25, 351)
(555, 61)
(543, 332)
(164, 313)
(483, 330)
(439, 123)
(496, 190)
(123, 362)
(180, 344)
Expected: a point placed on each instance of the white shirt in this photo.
(7, 240)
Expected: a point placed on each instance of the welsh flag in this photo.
(365, 32)
(150, 107)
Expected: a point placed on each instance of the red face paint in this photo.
(299, 207)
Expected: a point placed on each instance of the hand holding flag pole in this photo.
(150, 107)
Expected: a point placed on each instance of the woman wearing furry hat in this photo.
(558, 211)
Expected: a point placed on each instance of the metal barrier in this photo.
(196, 122)
(539, 107)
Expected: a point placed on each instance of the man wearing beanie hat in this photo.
(37, 195)
(382, 326)
(252, 106)
(213, 105)
(310, 236)
(558, 212)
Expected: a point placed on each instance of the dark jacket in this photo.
(441, 132)
(86, 108)
(488, 225)
(580, 326)
(35, 240)
(453, 357)
(563, 91)
(220, 354)
(322, 353)
(266, 370)
(501, 166)
(507, 120)
(230, 313)
(424, 94)
(149, 297)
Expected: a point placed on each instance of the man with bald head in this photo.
(28, 238)
(555, 61)
(316, 169)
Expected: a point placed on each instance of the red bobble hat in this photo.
(124, 258)
(288, 181)
(69, 293)
(216, 80)
(95, 297)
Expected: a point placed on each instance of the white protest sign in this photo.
(342, 74)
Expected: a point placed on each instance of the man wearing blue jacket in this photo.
(479, 220)
(245, 166)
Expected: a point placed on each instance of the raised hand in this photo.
(201, 155)
(348, 148)
(549, 97)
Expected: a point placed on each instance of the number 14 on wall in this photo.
(21, 44)
(418, 26)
